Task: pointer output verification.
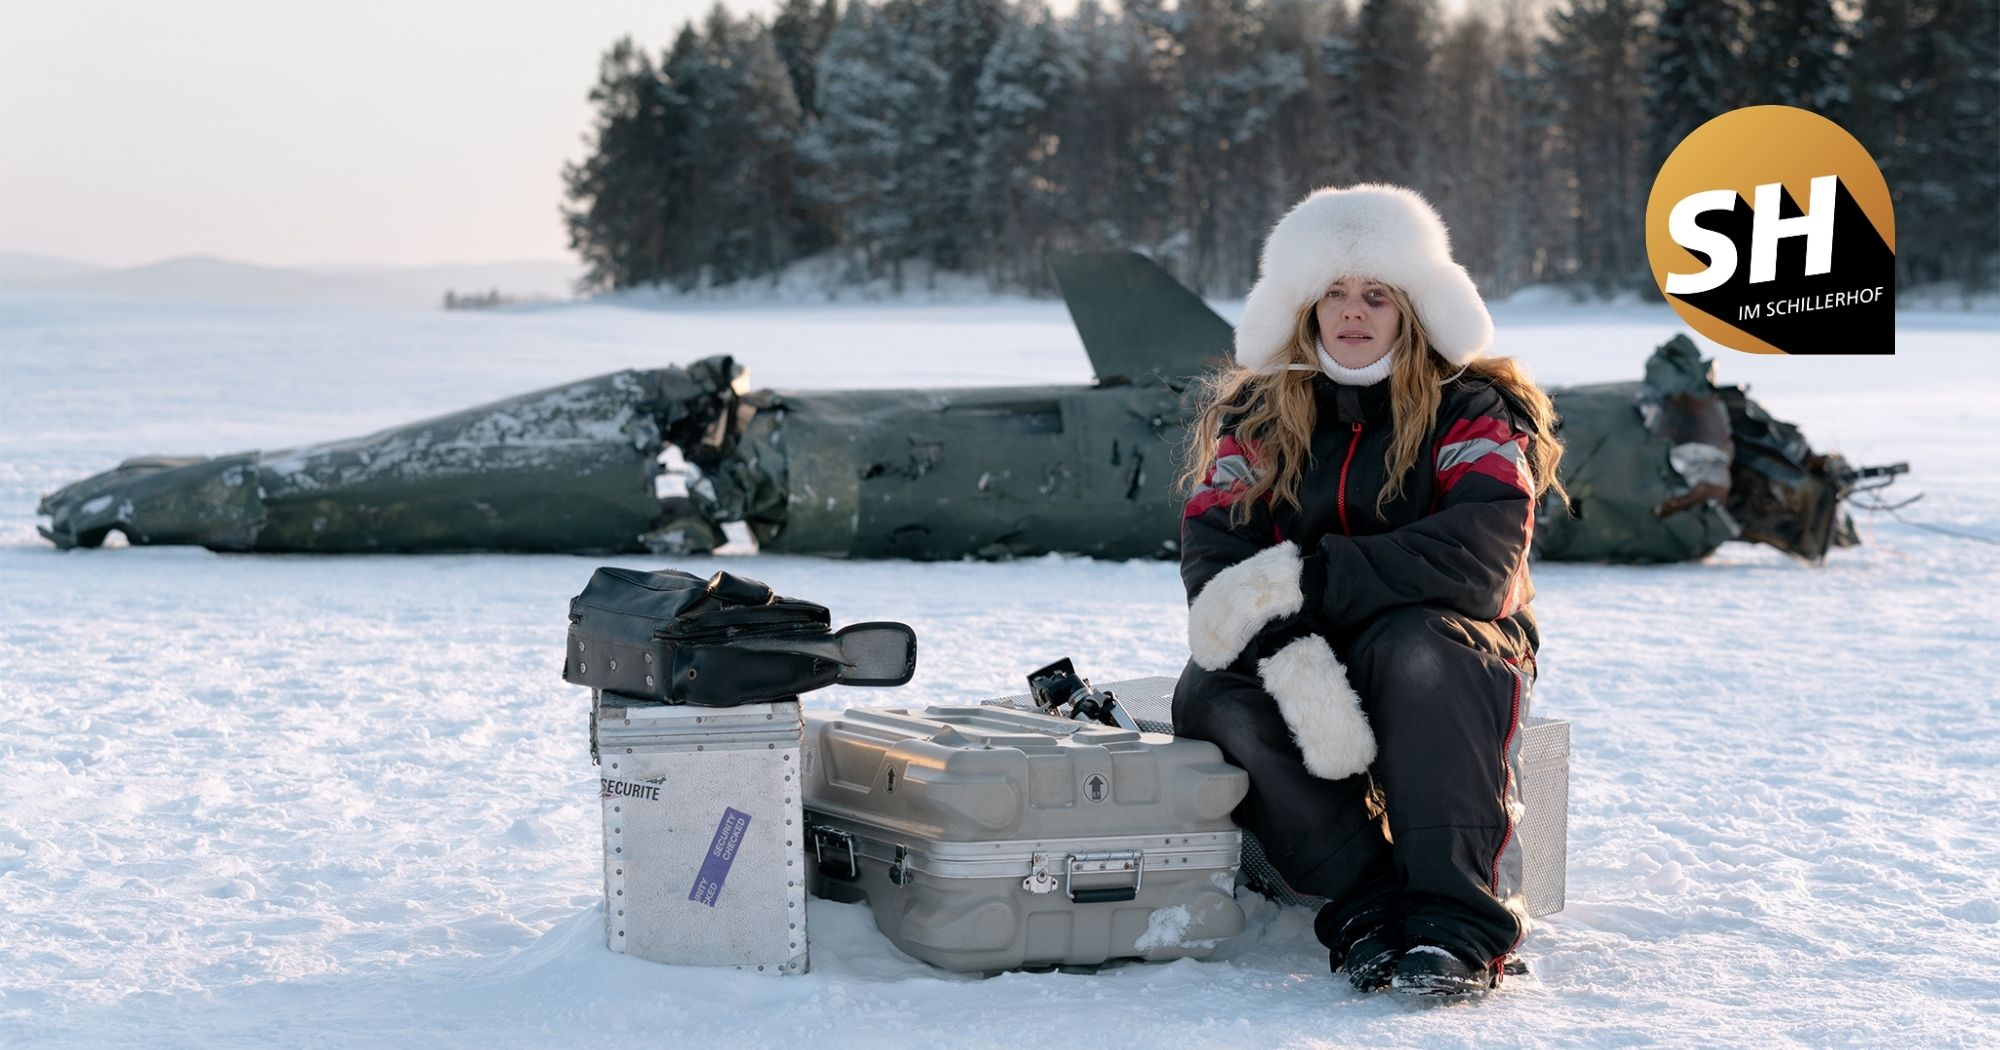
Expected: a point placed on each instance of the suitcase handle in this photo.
(1131, 860)
(824, 840)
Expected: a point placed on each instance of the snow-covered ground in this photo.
(297, 801)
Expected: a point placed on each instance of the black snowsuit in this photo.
(1426, 605)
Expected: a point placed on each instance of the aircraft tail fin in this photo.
(1136, 320)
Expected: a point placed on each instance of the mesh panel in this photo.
(1544, 829)
(882, 653)
(1544, 826)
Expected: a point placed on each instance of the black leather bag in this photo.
(720, 642)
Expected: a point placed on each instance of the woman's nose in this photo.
(1353, 311)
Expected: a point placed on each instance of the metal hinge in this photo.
(596, 702)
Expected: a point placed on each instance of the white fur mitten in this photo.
(1240, 600)
(1320, 707)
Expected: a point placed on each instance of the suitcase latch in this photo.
(1075, 864)
(1039, 880)
(833, 849)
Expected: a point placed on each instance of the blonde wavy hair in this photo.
(1272, 414)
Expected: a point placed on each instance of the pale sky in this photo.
(288, 132)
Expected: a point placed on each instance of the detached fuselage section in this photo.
(987, 472)
(568, 468)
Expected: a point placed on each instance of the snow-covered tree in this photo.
(1115, 177)
(618, 195)
(1591, 64)
(1530, 209)
(1391, 71)
(799, 32)
(1014, 177)
(1795, 55)
(1693, 75)
(1926, 103)
(1334, 95)
(1305, 124)
(872, 150)
(950, 39)
(1462, 115)
(753, 150)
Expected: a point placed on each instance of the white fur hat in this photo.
(1373, 230)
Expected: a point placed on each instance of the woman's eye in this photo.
(1375, 299)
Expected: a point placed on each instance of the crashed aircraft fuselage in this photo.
(659, 460)
(986, 471)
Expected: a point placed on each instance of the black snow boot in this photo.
(1371, 960)
(1365, 946)
(1430, 969)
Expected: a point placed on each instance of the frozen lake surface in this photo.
(347, 801)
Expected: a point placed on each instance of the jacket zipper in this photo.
(1353, 442)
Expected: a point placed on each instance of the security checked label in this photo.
(1771, 231)
(721, 854)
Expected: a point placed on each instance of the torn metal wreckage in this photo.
(1663, 469)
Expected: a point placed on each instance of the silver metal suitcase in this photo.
(1544, 827)
(992, 839)
(703, 833)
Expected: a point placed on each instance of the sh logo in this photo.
(1820, 276)
(1766, 228)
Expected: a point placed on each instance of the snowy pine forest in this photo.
(904, 138)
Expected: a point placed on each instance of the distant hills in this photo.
(209, 279)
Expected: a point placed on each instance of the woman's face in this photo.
(1358, 321)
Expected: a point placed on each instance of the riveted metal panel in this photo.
(703, 832)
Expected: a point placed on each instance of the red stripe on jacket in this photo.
(1224, 492)
(1495, 463)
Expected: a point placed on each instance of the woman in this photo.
(1355, 549)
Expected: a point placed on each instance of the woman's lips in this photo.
(1354, 337)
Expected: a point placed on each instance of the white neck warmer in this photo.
(1367, 375)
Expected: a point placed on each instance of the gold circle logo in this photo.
(1770, 231)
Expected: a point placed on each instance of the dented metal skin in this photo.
(569, 468)
(986, 472)
(896, 474)
(1671, 467)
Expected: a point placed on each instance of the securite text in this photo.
(628, 789)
